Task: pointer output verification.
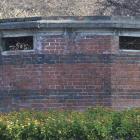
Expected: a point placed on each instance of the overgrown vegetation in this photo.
(27, 8)
(93, 124)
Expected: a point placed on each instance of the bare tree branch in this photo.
(119, 7)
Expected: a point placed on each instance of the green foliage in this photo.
(93, 124)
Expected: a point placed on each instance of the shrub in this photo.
(93, 124)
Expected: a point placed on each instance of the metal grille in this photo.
(129, 43)
(17, 43)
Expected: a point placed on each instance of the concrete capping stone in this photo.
(102, 22)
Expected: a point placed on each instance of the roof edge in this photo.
(71, 22)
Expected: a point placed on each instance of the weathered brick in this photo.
(70, 71)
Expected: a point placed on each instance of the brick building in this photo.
(69, 62)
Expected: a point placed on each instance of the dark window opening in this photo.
(17, 43)
(129, 43)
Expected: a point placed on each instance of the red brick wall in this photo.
(126, 82)
(70, 71)
(125, 77)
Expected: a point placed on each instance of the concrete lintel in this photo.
(102, 22)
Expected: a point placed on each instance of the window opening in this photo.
(17, 43)
(129, 43)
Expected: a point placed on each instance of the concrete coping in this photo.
(71, 22)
